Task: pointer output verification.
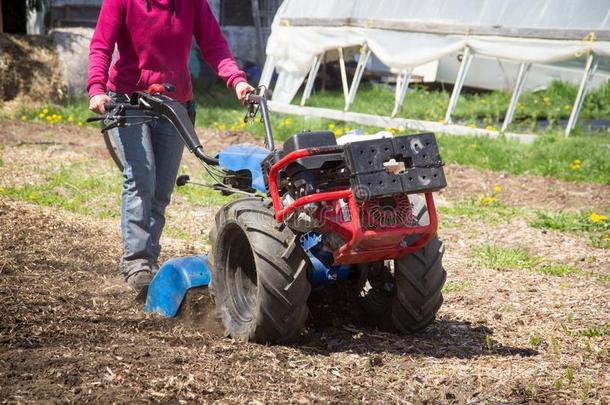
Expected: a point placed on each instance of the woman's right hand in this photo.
(97, 103)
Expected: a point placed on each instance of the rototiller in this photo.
(318, 210)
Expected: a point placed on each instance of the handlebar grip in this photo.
(124, 106)
(253, 98)
(93, 119)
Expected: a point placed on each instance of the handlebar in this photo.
(261, 100)
(156, 106)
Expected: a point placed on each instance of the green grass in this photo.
(78, 187)
(508, 258)
(86, 188)
(570, 221)
(596, 226)
(481, 109)
(504, 258)
(493, 213)
(557, 270)
(535, 340)
(594, 331)
(552, 155)
(456, 286)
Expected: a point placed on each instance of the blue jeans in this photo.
(151, 153)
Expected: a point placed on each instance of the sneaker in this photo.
(137, 274)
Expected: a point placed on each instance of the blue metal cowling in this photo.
(323, 271)
(169, 286)
(246, 157)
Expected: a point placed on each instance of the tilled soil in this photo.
(70, 331)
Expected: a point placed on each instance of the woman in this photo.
(153, 38)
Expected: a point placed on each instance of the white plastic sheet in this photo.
(293, 44)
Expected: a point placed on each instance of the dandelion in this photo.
(575, 165)
(520, 106)
(472, 125)
(1, 190)
(331, 126)
(483, 102)
(598, 218)
(488, 200)
(490, 128)
(441, 121)
(497, 189)
(339, 132)
(23, 118)
(287, 121)
(41, 115)
(473, 146)
(79, 123)
(70, 118)
(45, 111)
(546, 100)
(567, 107)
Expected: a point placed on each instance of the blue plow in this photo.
(168, 288)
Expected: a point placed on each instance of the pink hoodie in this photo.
(154, 38)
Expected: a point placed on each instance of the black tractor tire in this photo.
(259, 279)
(419, 278)
(409, 302)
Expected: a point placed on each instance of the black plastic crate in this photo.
(422, 172)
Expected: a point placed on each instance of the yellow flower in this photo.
(575, 165)
(79, 123)
(472, 125)
(546, 99)
(597, 218)
(519, 105)
(483, 101)
(474, 146)
(287, 121)
(331, 126)
(497, 189)
(490, 128)
(41, 115)
(339, 132)
(1, 190)
(70, 118)
(567, 107)
(488, 200)
(23, 118)
(45, 111)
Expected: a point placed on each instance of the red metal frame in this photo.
(362, 245)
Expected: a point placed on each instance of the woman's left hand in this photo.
(242, 89)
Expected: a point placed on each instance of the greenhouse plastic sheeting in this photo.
(406, 33)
